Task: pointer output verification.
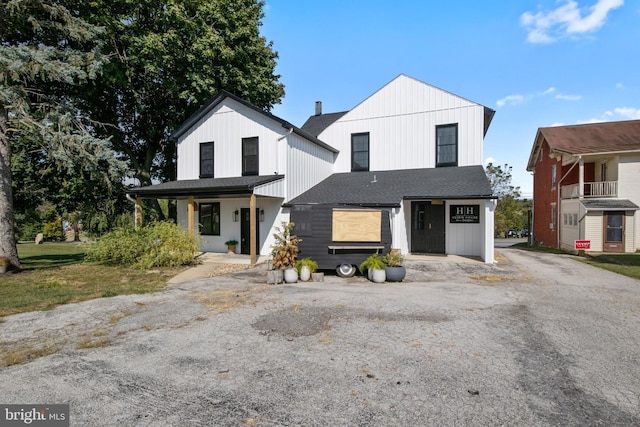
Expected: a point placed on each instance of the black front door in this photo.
(245, 231)
(427, 227)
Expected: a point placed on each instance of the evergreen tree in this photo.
(46, 50)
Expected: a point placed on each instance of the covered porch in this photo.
(223, 209)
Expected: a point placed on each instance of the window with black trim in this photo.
(206, 160)
(210, 219)
(447, 145)
(359, 152)
(250, 163)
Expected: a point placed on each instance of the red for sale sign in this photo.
(583, 244)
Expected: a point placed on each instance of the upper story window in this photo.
(206, 160)
(447, 145)
(250, 163)
(554, 178)
(359, 152)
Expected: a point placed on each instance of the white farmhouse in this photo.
(410, 149)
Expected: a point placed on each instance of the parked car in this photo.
(524, 233)
(513, 233)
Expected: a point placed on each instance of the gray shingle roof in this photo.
(318, 123)
(609, 204)
(389, 188)
(204, 187)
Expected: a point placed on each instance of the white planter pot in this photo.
(305, 273)
(378, 275)
(290, 275)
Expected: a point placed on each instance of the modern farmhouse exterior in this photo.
(410, 148)
(586, 186)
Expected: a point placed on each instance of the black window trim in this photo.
(353, 164)
(252, 172)
(202, 207)
(455, 162)
(202, 145)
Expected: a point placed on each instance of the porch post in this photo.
(252, 229)
(137, 220)
(190, 216)
(581, 179)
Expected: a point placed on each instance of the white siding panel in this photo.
(226, 125)
(465, 239)
(401, 120)
(307, 165)
(630, 232)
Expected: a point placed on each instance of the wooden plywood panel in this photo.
(356, 225)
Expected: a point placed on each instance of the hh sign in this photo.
(583, 244)
(464, 214)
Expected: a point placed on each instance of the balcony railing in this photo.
(591, 189)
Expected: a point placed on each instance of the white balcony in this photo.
(591, 189)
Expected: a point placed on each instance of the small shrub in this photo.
(372, 262)
(393, 258)
(52, 231)
(313, 266)
(285, 250)
(161, 244)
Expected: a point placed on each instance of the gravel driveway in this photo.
(536, 340)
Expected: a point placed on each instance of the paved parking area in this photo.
(535, 340)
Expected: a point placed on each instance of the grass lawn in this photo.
(626, 264)
(56, 274)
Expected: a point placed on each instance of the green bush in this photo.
(52, 230)
(161, 244)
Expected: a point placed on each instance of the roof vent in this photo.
(318, 108)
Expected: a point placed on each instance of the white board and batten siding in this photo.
(401, 120)
(306, 165)
(226, 125)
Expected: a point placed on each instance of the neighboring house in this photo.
(410, 148)
(586, 186)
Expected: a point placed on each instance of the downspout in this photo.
(558, 198)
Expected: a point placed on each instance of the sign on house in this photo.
(583, 244)
(464, 214)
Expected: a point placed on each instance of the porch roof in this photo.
(389, 188)
(609, 205)
(204, 187)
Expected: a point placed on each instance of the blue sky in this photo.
(537, 63)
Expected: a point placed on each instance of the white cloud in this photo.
(511, 100)
(619, 85)
(618, 113)
(556, 124)
(566, 20)
(489, 160)
(548, 91)
(568, 97)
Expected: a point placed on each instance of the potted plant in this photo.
(375, 268)
(5, 263)
(306, 267)
(231, 246)
(285, 251)
(394, 269)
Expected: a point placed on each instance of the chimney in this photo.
(318, 108)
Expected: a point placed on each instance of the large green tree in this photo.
(168, 57)
(510, 211)
(45, 51)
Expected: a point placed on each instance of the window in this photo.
(206, 160)
(210, 219)
(250, 164)
(359, 152)
(447, 145)
(553, 176)
(552, 225)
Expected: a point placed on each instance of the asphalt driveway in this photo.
(535, 340)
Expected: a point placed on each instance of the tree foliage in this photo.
(168, 58)
(510, 211)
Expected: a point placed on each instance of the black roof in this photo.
(609, 204)
(318, 123)
(203, 187)
(389, 188)
(220, 96)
